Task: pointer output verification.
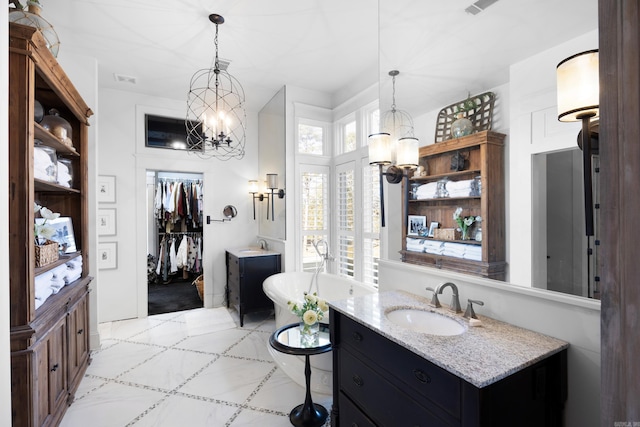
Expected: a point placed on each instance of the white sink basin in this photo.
(251, 251)
(426, 322)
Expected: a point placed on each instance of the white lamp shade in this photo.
(408, 152)
(380, 149)
(272, 181)
(253, 186)
(578, 86)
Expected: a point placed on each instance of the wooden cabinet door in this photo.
(78, 322)
(51, 377)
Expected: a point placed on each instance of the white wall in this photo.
(5, 361)
(123, 291)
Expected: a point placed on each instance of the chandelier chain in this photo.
(393, 94)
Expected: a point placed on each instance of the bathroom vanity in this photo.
(246, 270)
(492, 375)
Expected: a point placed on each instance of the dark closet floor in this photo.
(177, 295)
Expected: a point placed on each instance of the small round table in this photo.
(287, 340)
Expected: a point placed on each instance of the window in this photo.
(346, 220)
(339, 193)
(310, 139)
(370, 222)
(347, 135)
(350, 137)
(314, 215)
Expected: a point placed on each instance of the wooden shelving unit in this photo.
(49, 345)
(483, 152)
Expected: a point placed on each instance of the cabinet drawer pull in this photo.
(54, 368)
(421, 376)
(80, 331)
(357, 380)
(357, 336)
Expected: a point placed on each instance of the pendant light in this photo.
(216, 114)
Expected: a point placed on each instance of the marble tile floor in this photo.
(158, 372)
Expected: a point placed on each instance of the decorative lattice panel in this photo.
(481, 115)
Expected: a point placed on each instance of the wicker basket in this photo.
(199, 283)
(47, 253)
(446, 234)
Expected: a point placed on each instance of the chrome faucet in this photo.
(455, 301)
(434, 298)
(263, 244)
(470, 313)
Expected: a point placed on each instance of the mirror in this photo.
(437, 68)
(229, 212)
(272, 155)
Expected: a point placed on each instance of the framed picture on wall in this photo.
(107, 255)
(416, 225)
(106, 222)
(106, 188)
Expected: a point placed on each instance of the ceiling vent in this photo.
(479, 6)
(120, 78)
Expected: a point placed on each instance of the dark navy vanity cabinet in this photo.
(246, 270)
(378, 382)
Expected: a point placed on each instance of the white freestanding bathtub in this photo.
(284, 287)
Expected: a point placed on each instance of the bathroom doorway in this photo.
(175, 241)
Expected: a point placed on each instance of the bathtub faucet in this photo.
(324, 257)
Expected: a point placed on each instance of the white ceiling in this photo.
(326, 45)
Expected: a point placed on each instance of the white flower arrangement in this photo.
(312, 310)
(464, 222)
(43, 232)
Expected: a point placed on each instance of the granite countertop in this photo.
(481, 355)
(251, 251)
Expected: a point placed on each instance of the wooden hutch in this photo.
(483, 154)
(50, 344)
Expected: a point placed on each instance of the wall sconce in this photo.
(253, 190)
(272, 184)
(578, 100)
(381, 153)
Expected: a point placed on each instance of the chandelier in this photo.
(215, 111)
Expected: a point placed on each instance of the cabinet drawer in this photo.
(421, 376)
(350, 415)
(385, 404)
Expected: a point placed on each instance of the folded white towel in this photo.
(39, 300)
(59, 271)
(72, 276)
(42, 287)
(64, 177)
(75, 262)
(57, 284)
(427, 191)
(43, 166)
(459, 185)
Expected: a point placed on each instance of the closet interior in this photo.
(174, 248)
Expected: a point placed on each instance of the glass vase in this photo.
(461, 127)
(309, 334)
(464, 233)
